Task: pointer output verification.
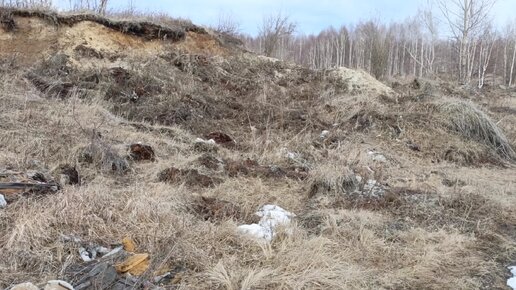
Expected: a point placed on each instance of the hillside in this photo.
(166, 139)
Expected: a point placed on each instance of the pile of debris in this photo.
(15, 184)
(118, 267)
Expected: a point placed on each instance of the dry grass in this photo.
(426, 232)
(470, 122)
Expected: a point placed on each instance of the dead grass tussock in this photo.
(469, 121)
(332, 180)
(285, 267)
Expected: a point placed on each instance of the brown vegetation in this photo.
(392, 188)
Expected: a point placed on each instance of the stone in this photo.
(58, 285)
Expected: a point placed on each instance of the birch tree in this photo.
(465, 19)
(274, 29)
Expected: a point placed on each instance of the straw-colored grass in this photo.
(470, 122)
(428, 233)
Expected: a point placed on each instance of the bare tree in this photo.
(430, 24)
(38, 4)
(102, 6)
(486, 44)
(465, 19)
(227, 24)
(275, 30)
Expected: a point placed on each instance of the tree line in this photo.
(468, 48)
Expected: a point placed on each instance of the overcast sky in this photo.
(311, 16)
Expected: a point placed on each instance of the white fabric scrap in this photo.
(511, 282)
(272, 216)
(324, 134)
(3, 202)
(200, 140)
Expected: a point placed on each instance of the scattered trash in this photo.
(210, 141)
(141, 152)
(3, 202)
(135, 265)
(25, 286)
(511, 282)
(58, 285)
(101, 276)
(221, 138)
(113, 252)
(324, 134)
(272, 216)
(89, 254)
(171, 276)
(128, 245)
(14, 184)
(378, 157)
(373, 189)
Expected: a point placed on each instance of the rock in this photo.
(3, 202)
(68, 175)
(221, 138)
(140, 152)
(25, 286)
(58, 285)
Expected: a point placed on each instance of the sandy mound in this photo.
(358, 82)
(36, 35)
